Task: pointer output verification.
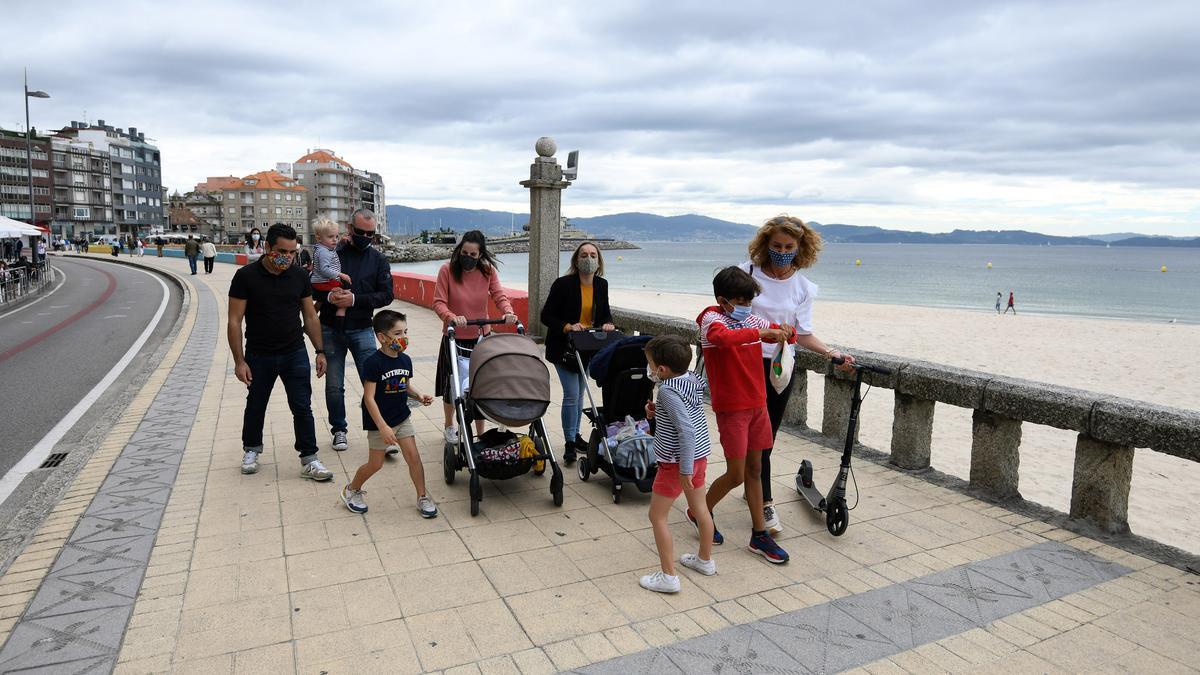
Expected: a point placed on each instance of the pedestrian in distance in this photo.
(1010, 304)
(159, 242)
(731, 337)
(209, 251)
(463, 287)
(141, 248)
(999, 295)
(191, 249)
(782, 247)
(681, 448)
(387, 386)
(272, 296)
(370, 290)
(254, 244)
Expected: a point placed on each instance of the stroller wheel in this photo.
(584, 472)
(539, 466)
(556, 486)
(594, 441)
(617, 494)
(476, 491)
(449, 462)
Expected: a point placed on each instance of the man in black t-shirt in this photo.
(271, 295)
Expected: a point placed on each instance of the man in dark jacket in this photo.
(191, 249)
(370, 289)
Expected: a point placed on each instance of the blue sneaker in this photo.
(765, 546)
(717, 538)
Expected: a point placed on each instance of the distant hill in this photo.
(635, 226)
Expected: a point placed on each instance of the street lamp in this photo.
(29, 144)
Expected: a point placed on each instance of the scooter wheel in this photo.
(584, 471)
(449, 463)
(805, 473)
(837, 518)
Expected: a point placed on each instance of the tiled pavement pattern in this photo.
(857, 629)
(77, 619)
(269, 573)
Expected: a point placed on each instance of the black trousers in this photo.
(208, 265)
(776, 402)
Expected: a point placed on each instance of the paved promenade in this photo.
(163, 557)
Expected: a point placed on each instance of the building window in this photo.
(83, 212)
(278, 211)
(278, 196)
(262, 209)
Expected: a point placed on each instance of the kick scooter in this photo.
(833, 504)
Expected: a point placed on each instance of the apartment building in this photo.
(82, 189)
(135, 172)
(263, 199)
(14, 177)
(335, 188)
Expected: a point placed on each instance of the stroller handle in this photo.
(489, 322)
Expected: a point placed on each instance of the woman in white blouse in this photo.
(783, 246)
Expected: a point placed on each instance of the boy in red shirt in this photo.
(732, 338)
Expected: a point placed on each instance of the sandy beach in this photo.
(1148, 362)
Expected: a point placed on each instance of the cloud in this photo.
(887, 113)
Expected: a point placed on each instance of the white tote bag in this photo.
(782, 365)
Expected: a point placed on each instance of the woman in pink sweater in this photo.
(463, 287)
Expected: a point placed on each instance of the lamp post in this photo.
(29, 144)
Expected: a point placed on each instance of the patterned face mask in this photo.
(399, 345)
(780, 259)
(588, 265)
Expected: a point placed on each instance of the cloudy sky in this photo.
(1062, 117)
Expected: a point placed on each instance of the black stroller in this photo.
(625, 389)
(509, 385)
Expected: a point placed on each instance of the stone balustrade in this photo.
(1109, 427)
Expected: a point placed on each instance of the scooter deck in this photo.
(812, 495)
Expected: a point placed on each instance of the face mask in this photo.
(254, 237)
(653, 376)
(587, 265)
(740, 313)
(360, 241)
(399, 345)
(781, 259)
(468, 263)
(280, 260)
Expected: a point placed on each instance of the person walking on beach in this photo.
(577, 301)
(782, 247)
(999, 295)
(462, 290)
(191, 249)
(272, 295)
(370, 290)
(209, 252)
(1010, 304)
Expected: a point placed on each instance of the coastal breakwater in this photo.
(409, 253)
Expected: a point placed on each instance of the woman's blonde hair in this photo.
(808, 241)
(323, 225)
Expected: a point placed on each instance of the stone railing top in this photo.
(1112, 419)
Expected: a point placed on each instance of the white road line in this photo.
(52, 292)
(39, 452)
(115, 316)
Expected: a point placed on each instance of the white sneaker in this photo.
(426, 507)
(392, 450)
(693, 561)
(660, 582)
(315, 470)
(250, 462)
(772, 518)
(339, 441)
(451, 435)
(353, 499)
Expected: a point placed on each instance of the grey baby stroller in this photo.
(508, 384)
(619, 366)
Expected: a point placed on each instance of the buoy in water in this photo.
(1163, 268)
(858, 261)
(620, 257)
(989, 266)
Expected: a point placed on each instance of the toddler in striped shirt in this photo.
(681, 448)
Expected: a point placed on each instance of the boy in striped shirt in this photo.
(681, 449)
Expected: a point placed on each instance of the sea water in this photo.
(1094, 281)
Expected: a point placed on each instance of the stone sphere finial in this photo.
(545, 146)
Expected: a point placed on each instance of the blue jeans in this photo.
(293, 370)
(572, 384)
(361, 344)
(192, 263)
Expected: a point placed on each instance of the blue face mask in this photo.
(780, 259)
(740, 313)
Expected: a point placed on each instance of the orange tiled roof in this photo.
(267, 180)
(218, 183)
(182, 216)
(322, 157)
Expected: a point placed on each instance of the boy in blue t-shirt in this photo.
(387, 386)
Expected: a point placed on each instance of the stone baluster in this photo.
(1100, 487)
(796, 411)
(995, 454)
(836, 413)
(912, 432)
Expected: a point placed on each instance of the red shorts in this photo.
(331, 285)
(744, 430)
(666, 481)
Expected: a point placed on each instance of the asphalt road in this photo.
(53, 352)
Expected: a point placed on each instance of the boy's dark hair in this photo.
(385, 320)
(280, 231)
(671, 351)
(733, 283)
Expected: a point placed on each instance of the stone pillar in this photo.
(995, 454)
(545, 211)
(796, 411)
(1100, 488)
(836, 414)
(912, 432)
